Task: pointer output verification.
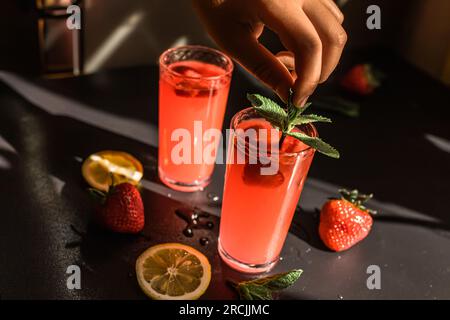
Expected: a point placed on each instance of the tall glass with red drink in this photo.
(194, 82)
(258, 208)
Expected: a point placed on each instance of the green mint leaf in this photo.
(281, 280)
(254, 292)
(306, 106)
(293, 113)
(308, 118)
(244, 293)
(315, 143)
(262, 288)
(269, 110)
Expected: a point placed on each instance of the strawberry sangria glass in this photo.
(258, 208)
(193, 89)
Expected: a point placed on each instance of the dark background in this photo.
(417, 30)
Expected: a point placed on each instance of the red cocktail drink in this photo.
(193, 91)
(258, 208)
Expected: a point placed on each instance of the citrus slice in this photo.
(98, 167)
(173, 271)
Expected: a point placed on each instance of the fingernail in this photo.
(303, 101)
(282, 92)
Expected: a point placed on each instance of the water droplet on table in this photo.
(188, 232)
(194, 219)
(212, 196)
(204, 241)
(340, 297)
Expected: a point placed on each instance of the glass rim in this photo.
(234, 121)
(164, 65)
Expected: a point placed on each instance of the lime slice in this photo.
(173, 271)
(98, 167)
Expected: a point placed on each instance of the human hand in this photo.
(310, 29)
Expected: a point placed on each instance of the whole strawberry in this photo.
(360, 79)
(344, 222)
(121, 209)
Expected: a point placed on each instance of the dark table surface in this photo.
(399, 149)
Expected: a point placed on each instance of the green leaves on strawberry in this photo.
(357, 199)
(285, 119)
(121, 209)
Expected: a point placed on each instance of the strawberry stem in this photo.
(357, 199)
(111, 175)
(98, 195)
(283, 136)
(290, 108)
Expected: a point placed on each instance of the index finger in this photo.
(299, 36)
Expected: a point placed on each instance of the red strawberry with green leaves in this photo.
(360, 79)
(121, 209)
(346, 221)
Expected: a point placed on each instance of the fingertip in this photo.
(282, 91)
(324, 78)
(301, 102)
(265, 66)
(305, 101)
(302, 93)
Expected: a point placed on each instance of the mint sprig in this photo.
(268, 109)
(285, 119)
(263, 288)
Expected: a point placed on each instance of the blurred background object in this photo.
(60, 49)
(427, 37)
(124, 33)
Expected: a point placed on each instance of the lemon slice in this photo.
(173, 271)
(98, 167)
